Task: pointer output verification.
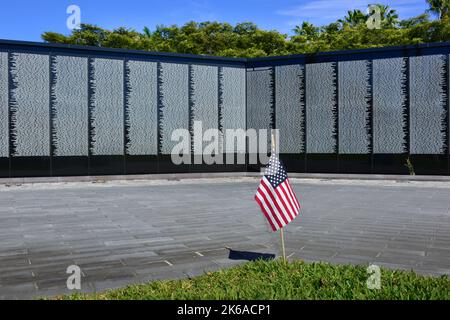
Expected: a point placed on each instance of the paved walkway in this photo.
(120, 233)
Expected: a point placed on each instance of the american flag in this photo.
(275, 196)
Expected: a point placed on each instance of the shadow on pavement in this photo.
(250, 256)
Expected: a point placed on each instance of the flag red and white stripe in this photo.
(275, 196)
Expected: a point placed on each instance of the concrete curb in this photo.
(168, 176)
(180, 176)
(389, 177)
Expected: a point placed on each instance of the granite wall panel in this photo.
(290, 107)
(107, 113)
(70, 106)
(354, 107)
(175, 102)
(142, 108)
(427, 104)
(30, 104)
(389, 105)
(321, 108)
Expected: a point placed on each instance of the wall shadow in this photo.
(249, 256)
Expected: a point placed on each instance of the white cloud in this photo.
(200, 10)
(326, 11)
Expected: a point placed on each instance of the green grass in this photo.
(295, 280)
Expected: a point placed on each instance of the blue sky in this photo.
(26, 20)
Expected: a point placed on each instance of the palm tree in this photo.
(388, 16)
(353, 18)
(306, 29)
(147, 32)
(439, 7)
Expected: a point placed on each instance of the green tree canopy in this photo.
(439, 7)
(247, 40)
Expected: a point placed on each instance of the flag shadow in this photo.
(249, 256)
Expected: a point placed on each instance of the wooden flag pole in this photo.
(283, 249)
(282, 244)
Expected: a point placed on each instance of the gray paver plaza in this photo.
(134, 231)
